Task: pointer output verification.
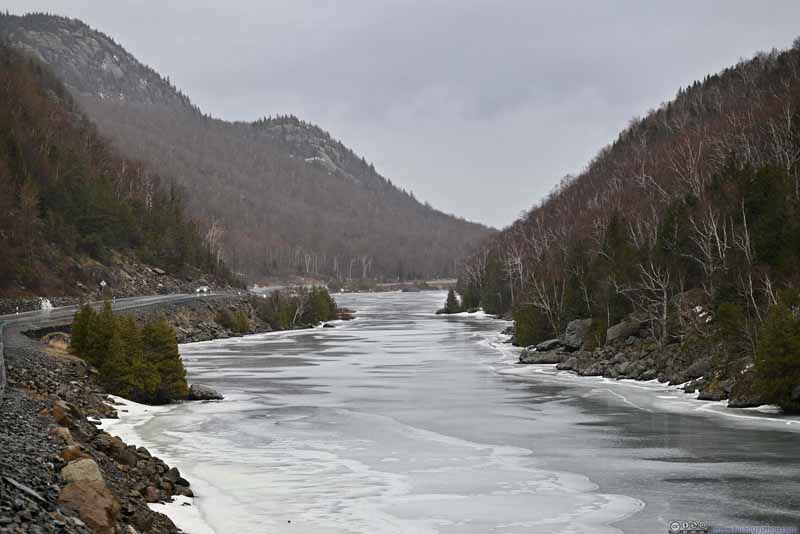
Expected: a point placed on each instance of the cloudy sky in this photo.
(478, 107)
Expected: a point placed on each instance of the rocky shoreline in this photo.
(60, 473)
(630, 352)
(199, 319)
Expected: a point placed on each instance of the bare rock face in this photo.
(93, 502)
(80, 470)
(90, 62)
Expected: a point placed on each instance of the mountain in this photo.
(678, 245)
(277, 195)
(73, 212)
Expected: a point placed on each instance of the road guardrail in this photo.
(2, 362)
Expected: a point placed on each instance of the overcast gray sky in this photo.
(478, 107)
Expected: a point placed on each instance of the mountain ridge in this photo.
(279, 195)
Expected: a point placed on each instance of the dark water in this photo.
(405, 422)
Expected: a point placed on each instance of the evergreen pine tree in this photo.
(142, 376)
(161, 351)
(778, 359)
(452, 305)
(114, 367)
(80, 329)
(98, 338)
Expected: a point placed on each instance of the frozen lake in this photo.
(405, 422)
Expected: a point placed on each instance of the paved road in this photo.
(11, 325)
(63, 315)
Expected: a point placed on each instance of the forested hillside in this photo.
(689, 222)
(276, 195)
(69, 202)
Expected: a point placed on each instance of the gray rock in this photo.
(701, 367)
(200, 392)
(649, 374)
(128, 456)
(570, 364)
(592, 370)
(694, 385)
(550, 344)
(184, 490)
(714, 394)
(172, 475)
(628, 327)
(537, 357)
(743, 394)
(576, 333)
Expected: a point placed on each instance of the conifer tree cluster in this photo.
(139, 363)
(451, 304)
(300, 309)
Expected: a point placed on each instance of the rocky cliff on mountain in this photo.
(90, 62)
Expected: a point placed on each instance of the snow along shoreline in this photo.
(183, 511)
(650, 395)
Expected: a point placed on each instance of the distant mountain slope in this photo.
(279, 195)
(72, 211)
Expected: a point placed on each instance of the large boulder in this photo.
(128, 456)
(629, 327)
(200, 392)
(569, 364)
(57, 340)
(172, 475)
(550, 344)
(80, 470)
(94, 504)
(743, 393)
(576, 334)
(63, 434)
(537, 357)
